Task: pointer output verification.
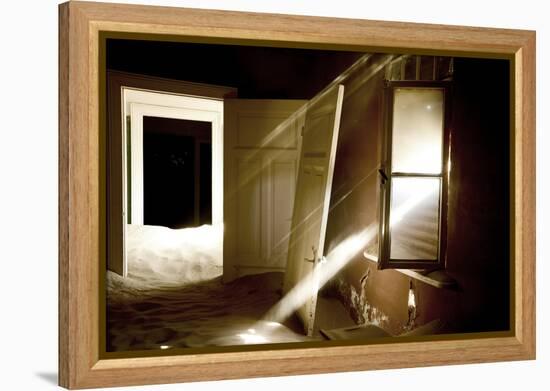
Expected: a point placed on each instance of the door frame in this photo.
(139, 103)
(116, 81)
(177, 107)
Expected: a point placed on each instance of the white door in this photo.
(261, 143)
(313, 188)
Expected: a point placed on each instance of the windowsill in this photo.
(436, 278)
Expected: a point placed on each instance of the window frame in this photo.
(386, 175)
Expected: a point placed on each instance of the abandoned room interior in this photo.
(273, 195)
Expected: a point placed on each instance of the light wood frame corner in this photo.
(82, 189)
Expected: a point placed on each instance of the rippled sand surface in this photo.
(173, 297)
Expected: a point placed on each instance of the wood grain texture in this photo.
(80, 176)
(63, 220)
(526, 202)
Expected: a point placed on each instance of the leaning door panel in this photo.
(311, 203)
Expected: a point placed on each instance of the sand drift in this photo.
(173, 296)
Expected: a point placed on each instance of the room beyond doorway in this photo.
(182, 151)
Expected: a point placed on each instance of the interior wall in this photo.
(478, 208)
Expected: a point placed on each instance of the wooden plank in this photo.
(525, 184)
(421, 37)
(63, 219)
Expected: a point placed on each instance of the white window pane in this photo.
(417, 137)
(414, 218)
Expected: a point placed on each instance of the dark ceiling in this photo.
(257, 72)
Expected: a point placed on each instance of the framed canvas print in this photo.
(247, 195)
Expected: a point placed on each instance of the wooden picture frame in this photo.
(82, 200)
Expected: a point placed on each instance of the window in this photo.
(414, 176)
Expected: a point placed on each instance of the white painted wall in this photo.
(28, 196)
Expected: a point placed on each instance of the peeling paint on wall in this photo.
(361, 311)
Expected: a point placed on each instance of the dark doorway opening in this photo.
(177, 172)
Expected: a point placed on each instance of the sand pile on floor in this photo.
(160, 257)
(207, 313)
(173, 296)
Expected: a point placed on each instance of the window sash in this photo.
(384, 258)
(417, 247)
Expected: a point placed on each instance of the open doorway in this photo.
(171, 175)
(182, 151)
